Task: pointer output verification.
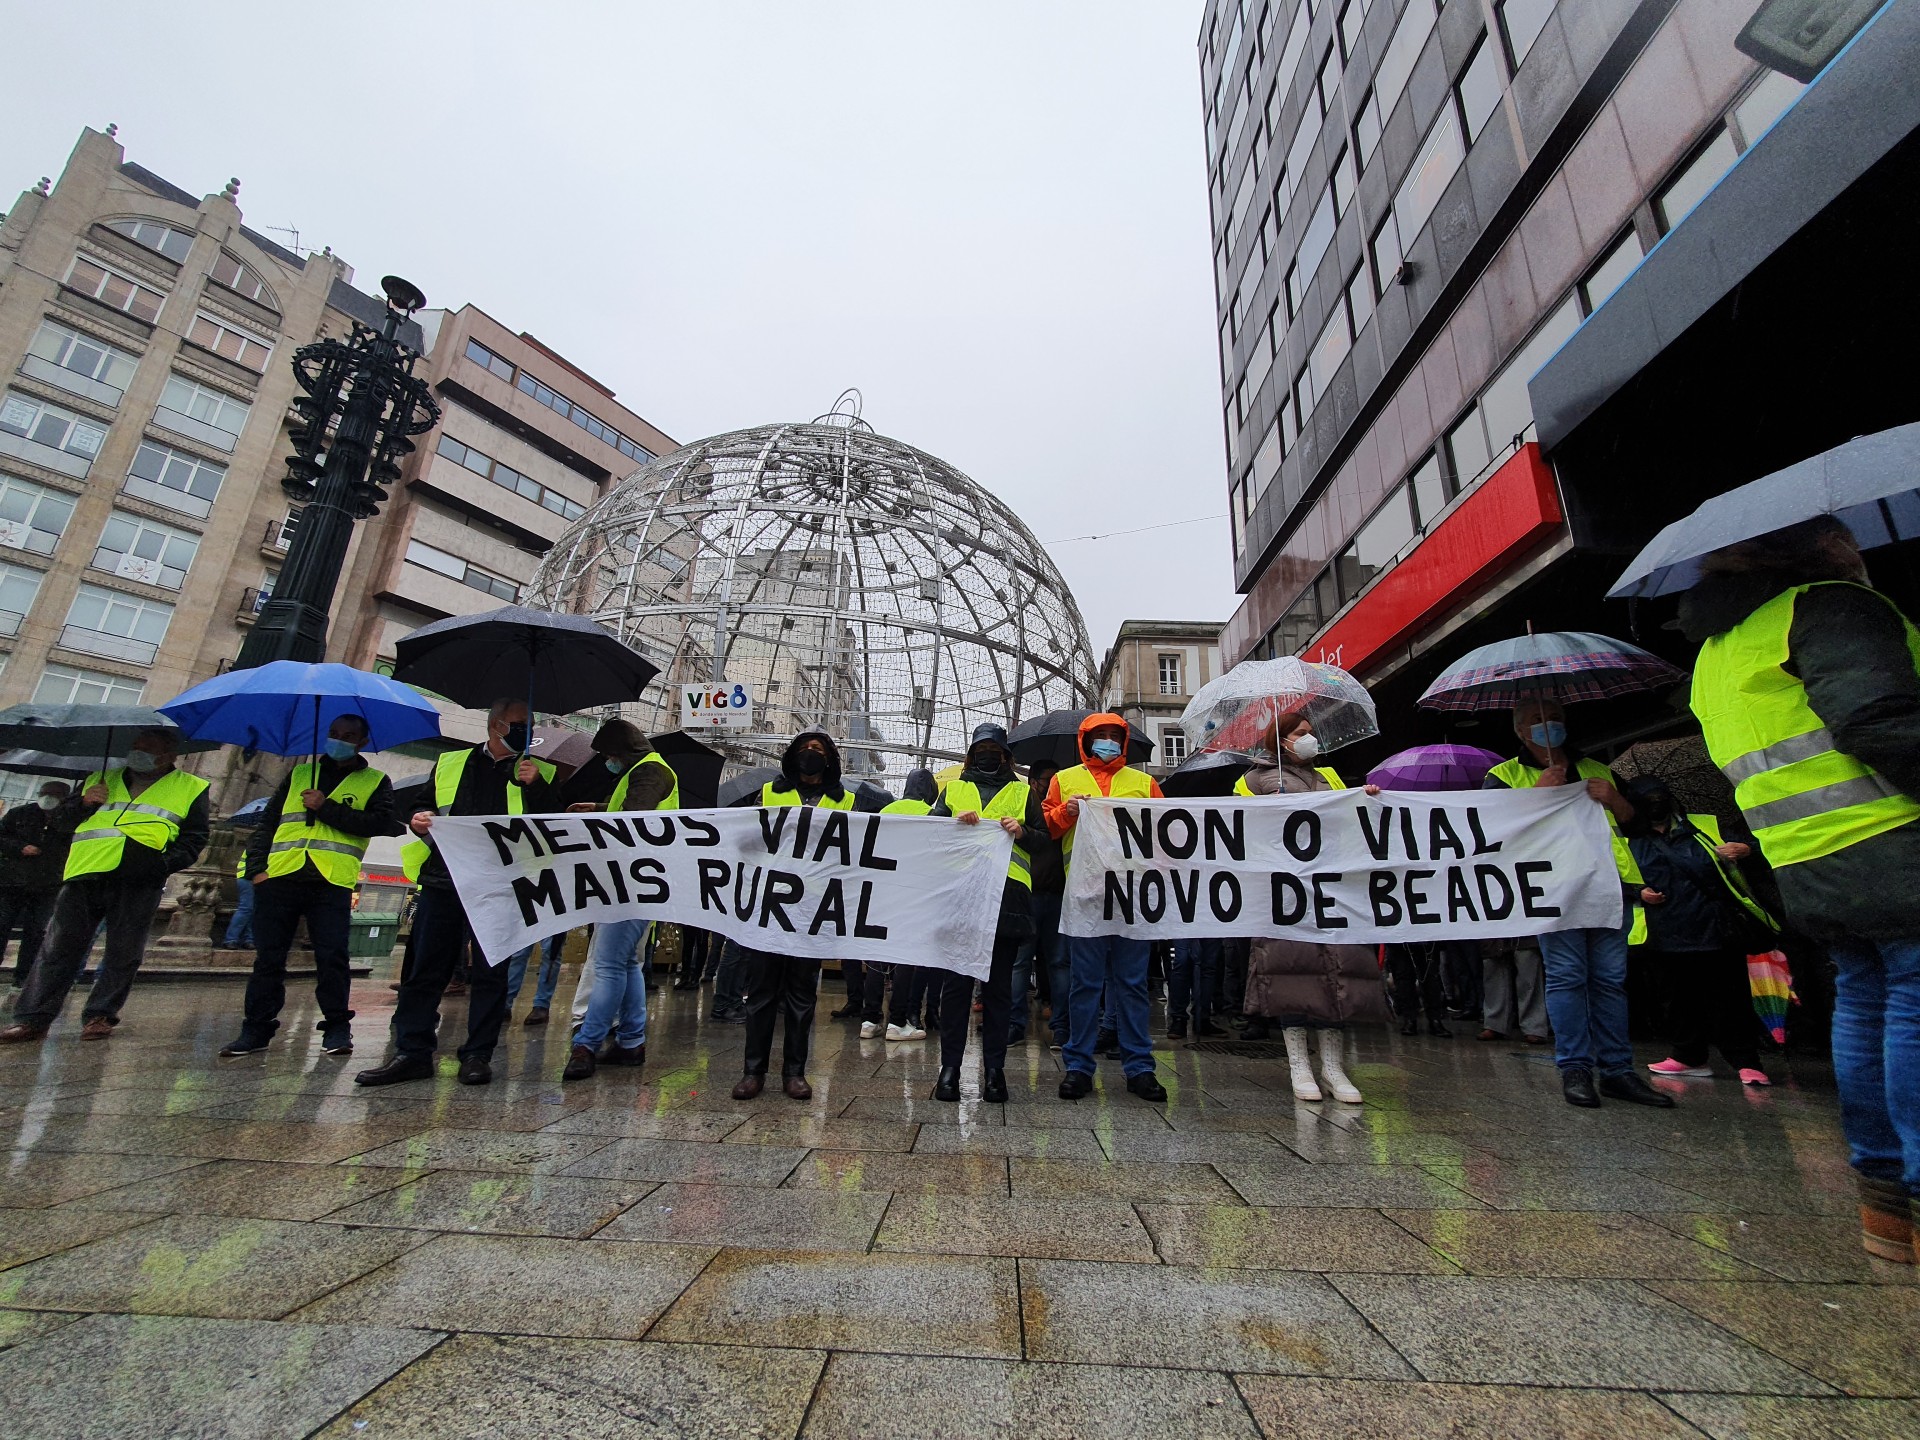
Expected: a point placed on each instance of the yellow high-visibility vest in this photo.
(447, 771)
(1802, 796)
(1520, 774)
(152, 820)
(1325, 772)
(335, 853)
(1010, 802)
(906, 807)
(618, 800)
(770, 796)
(1127, 784)
(1709, 838)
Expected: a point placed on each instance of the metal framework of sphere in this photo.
(856, 583)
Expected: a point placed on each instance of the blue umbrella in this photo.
(1871, 485)
(284, 708)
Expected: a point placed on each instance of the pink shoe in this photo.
(1675, 1067)
(1755, 1078)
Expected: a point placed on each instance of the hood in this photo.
(920, 786)
(621, 737)
(1721, 601)
(1096, 721)
(981, 735)
(789, 777)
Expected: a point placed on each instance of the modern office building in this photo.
(1151, 671)
(1506, 285)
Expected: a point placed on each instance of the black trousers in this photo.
(279, 905)
(1710, 1003)
(996, 1009)
(789, 984)
(693, 957)
(440, 939)
(1418, 979)
(29, 907)
(83, 907)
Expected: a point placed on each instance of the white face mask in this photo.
(1304, 748)
(49, 802)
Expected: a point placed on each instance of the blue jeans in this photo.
(549, 972)
(1876, 1055)
(1196, 964)
(1050, 951)
(619, 989)
(1119, 966)
(1587, 999)
(240, 928)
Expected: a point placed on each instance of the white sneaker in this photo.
(869, 1029)
(900, 1032)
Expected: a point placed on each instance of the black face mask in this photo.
(811, 763)
(516, 737)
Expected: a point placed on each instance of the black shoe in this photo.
(1206, 1028)
(245, 1045)
(631, 1056)
(947, 1087)
(580, 1065)
(536, 1016)
(1148, 1087)
(1107, 1042)
(1176, 1029)
(1635, 1091)
(993, 1086)
(848, 1011)
(686, 984)
(1439, 1027)
(336, 1042)
(1577, 1086)
(475, 1071)
(1409, 1027)
(401, 1067)
(1256, 1028)
(1076, 1085)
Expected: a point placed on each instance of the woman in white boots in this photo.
(1310, 991)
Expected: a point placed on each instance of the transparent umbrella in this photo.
(1237, 711)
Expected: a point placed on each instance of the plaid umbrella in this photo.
(1562, 665)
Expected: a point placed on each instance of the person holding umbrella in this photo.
(495, 777)
(133, 825)
(307, 867)
(33, 853)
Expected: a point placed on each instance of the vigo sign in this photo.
(716, 704)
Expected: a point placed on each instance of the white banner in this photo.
(829, 884)
(1340, 865)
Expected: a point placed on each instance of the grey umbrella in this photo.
(744, 788)
(89, 730)
(1870, 484)
(39, 762)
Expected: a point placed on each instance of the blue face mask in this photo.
(1550, 736)
(1105, 749)
(341, 749)
(616, 767)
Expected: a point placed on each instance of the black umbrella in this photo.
(1210, 773)
(1054, 739)
(565, 662)
(39, 762)
(86, 730)
(871, 799)
(697, 765)
(744, 788)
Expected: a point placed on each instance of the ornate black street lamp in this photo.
(361, 404)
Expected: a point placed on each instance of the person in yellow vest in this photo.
(617, 1003)
(495, 777)
(901, 1011)
(988, 790)
(1115, 962)
(132, 826)
(809, 775)
(1586, 969)
(1808, 692)
(305, 860)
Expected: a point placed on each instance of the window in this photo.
(172, 243)
(64, 684)
(1360, 299)
(486, 359)
(136, 548)
(119, 627)
(234, 276)
(1238, 123)
(560, 405)
(1323, 360)
(1350, 22)
(1478, 90)
(18, 587)
(1430, 491)
(170, 477)
(1295, 45)
(1259, 359)
(1173, 745)
(1466, 448)
(1366, 128)
(114, 290)
(1379, 542)
(1296, 291)
(1402, 53)
(34, 419)
(1426, 182)
(454, 568)
(1170, 675)
(507, 478)
(1266, 461)
(236, 345)
(1523, 20)
(1346, 181)
(1306, 136)
(1386, 254)
(32, 517)
(80, 363)
(1766, 102)
(210, 415)
(1699, 175)
(1328, 82)
(1237, 217)
(1610, 273)
(1504, 402)
(1315, 238)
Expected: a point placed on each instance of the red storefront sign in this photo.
(1511, 512)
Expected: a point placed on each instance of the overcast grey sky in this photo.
(989, 215)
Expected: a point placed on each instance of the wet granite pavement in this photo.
(255, 1247)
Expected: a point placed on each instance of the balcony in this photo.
(111, 647)
(61, 462)
(71, 381)
(166, 496)
(252, 602)
(209, 435)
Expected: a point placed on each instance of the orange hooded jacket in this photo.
(1059, 819)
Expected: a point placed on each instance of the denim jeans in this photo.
(1196, 963)
(1050, 951)
(1118, 966)
(1876, 1055)
(549, 971)
(239, 934)
(1587, 999)
(619, 990)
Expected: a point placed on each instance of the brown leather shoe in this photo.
(797, 1088)
(536, 1016)
(749, 1087)
(96, 1029)
(580, 1064)
(1886, 1220)
(21, 1034)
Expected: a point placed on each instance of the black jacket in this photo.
(376, 819)
(27, 824)
(790, 778)
(1016, 900)
(483, 791)
(1849, 648)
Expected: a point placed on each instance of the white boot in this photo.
(1304, 1087)
(1333, 1049)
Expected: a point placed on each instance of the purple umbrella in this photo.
(1434, 767)
(1565, 665)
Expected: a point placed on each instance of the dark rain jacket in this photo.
(27, 824)
(791, 779)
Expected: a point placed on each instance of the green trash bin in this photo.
(374, 936)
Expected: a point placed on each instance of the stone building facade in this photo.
(1151, 671)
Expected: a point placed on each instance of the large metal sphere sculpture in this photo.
(854, 582)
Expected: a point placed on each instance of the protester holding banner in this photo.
(496, 777)
(1116, 962)
(1586, 968)
(1305, 985)
(988, 789)
(809, 776)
